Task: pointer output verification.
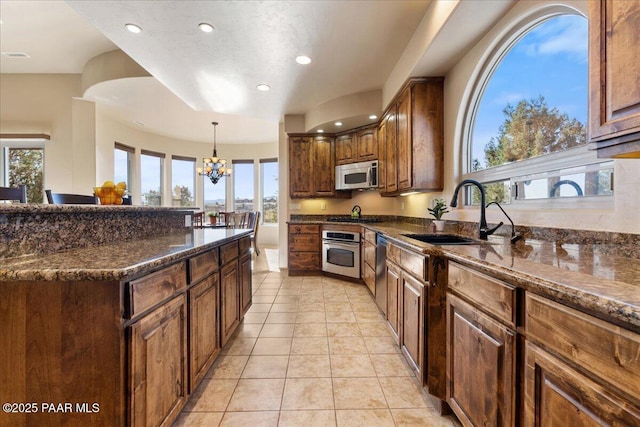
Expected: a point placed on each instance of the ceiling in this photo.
(200, 77)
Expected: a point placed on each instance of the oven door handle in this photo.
(341, 244)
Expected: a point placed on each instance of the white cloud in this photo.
(561, 35)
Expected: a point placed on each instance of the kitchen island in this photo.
(122, 332)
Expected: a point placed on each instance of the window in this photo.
(122, 163)
(23, 163)
(215, 195)
(183, 180)
(528, 118)
(243, 185)
(151, 177)
(269, 193)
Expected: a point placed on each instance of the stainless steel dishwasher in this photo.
(381, 272)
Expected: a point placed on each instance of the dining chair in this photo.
(18, 193)
(227, 218)
(70, 199)
(198, 219)
(240, 220)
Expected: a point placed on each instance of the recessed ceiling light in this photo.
(206, 28)
(303, 60)
(373, 117)
(133, 28)
(263, 87)
(338, 123)
(320, 131)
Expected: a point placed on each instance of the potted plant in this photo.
(437, 211)
(213, 217)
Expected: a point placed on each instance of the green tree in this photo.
(182, 195)
(530, 129)
(25, 167)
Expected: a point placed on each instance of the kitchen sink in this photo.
(442, 239)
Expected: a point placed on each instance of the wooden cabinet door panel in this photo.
(230, 300)
(204, 342)
(558, 396)
(393, 300)
(391, 157)
(614, 69)
(404, 141)
(300, 163)
(245, 284)
(413, 322)
(323, 174)
(382, 155)
(481, 366)
(367, 145)
(345, 149)
(158, 352)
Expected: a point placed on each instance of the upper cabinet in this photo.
(312, 167)
(614, 78)
(414, 138)
(357, 146)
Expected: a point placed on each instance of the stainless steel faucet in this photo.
(483, 229)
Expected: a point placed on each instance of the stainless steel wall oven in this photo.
(341, 253)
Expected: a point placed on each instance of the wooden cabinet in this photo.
(304, 254)
(158, 363)
(204, 336)
(346, 149)
(229, 300)
(481, 366)
(311, 167)
(357, 146)
(413, 300)
(481, 348)
(587, 374)
(614, 77)
(414, 138)
(367, 144)
(382, 155)
(393, 299)
(369, 260)
(244, 265)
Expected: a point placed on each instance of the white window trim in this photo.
(574, 157)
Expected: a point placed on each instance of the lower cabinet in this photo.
(413, 300)
(481, 366)
(204, 338)
(245, 283)
(230, 301)
(393, 299)
(158, 364)
(579, 370)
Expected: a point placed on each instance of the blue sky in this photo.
(550, 60)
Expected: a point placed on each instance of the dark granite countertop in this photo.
(592, 277)
(115, 261)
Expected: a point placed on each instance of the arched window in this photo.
(526, 137)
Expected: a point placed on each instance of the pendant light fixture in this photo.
(214, 167)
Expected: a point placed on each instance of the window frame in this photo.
(130, 154)
(261, 201)
(235, 162)
(192, 160)
(567, 159)
(161, 157)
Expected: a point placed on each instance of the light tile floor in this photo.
(311, 351)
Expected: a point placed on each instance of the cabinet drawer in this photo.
(393, 253)
(607, 351)
(369, 277)
(304, 243)
(309, 261)
(415, 264)
(149, 290)
(244, 245)
(202, 265)
(370, 236)
(304, 229)
(370, 254)
(495, 297)
(228, 252)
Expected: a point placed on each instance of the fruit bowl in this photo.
(110, 193)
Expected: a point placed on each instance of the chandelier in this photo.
(214, 167)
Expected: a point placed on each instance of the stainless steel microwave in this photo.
(357, 176)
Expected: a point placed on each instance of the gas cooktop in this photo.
(349, 219)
